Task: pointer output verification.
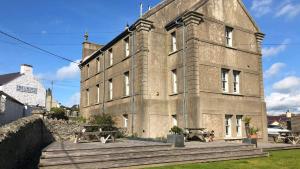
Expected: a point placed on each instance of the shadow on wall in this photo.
(22, 141)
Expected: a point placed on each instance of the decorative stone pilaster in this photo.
(259, 39)
(192, 113)
(142, 30)
(191, 21)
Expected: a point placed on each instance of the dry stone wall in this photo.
(62, 130)
(22, 141)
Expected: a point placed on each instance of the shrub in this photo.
(105, 121)
(57, 113)
(176, 130)
(80, 119)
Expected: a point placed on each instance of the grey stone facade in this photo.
(194, 41)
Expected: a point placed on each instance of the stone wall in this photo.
(62, 130)
(21, 143)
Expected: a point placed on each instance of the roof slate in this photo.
(8, 77)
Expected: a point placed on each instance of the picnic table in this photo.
(96, 132)
(288, 137)
(199, 133)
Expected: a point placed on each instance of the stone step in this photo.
(83, 147)
(112, 157)
(160, 159)
(79, 153)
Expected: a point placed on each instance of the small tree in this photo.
(247, 121)
(58, 113)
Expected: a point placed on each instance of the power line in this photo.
(38, 48)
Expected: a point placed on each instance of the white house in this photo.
(24, 87)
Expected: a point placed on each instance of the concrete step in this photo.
(96, 146)
(144, 154)
(138, 149)
(154, 159)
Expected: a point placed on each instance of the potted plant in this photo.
(253, 132)
(176, 137)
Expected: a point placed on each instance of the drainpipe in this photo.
(132, 79)
(103, 98)
(184, 114)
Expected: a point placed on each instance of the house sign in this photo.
(26, 89)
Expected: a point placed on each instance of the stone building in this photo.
(50, 100)
(10, 109)
(24, 87)
(191, 63)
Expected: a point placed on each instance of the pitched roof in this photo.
(280, 119)
(8, 77)
(11, 98)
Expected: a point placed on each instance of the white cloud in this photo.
(68, 72)
(74, 99)
(278, 103)
(285, 96)
(261, 7)
(273, 70)
(288, 84)
(288, 10)
(272, 51)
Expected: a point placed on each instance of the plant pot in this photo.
(176, 140)
(253, 136)
(250, 141)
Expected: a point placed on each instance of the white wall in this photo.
(31, 99)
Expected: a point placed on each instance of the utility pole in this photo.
(51, 100)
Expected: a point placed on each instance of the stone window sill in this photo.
(230, 47)
(124, 97)
(232, 94)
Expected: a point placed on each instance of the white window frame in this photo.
(236, 82)
(110, 89)
(224, 80)
(98, 93)
(239, 123)
(127, 50)
(111, 57)
(88, 70)
(173, 42)
(228, 125)
(125, 118)
(229, 36)
(174, 120)
(127, 83)
(174, 81)
(98, 65)
(87, 97)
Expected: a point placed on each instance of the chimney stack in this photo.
(26, 69)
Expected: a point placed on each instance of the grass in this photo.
(287, 159)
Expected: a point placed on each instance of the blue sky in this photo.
(59, 25)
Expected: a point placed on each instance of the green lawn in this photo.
(288, 159)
